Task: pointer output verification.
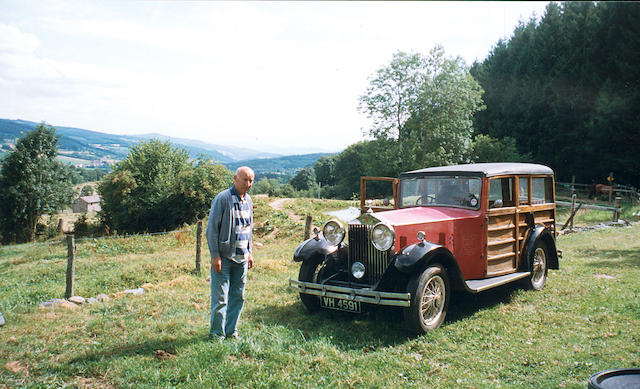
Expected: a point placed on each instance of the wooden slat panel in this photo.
(500, 242)
(500, 234)
(501, 249)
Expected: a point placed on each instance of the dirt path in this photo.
(281, 205)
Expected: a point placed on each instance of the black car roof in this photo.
(483, 169)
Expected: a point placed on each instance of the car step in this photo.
(476, 286)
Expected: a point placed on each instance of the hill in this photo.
(277, 167)
(92, 148)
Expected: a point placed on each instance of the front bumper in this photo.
(363, 295)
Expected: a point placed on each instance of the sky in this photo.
(282, 77)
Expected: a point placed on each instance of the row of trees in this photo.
(567, 89)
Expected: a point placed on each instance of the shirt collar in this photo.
(235, 193)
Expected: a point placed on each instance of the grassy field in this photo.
(585, 320)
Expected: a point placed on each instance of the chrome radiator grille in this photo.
(361, 249)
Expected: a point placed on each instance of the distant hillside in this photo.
(92, 148)
(280, 166)
(98, 149)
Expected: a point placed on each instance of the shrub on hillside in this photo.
(158, 188)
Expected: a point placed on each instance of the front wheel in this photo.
(538, 267)
(430, 295)
(309, 273)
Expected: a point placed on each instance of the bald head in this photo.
(243, 179)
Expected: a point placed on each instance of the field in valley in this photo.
(585, 320)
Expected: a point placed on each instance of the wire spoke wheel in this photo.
(432, 303)
(429, 299)
(538, 267)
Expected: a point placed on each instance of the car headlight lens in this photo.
(382, 237)
(333, 232)
(357, 269)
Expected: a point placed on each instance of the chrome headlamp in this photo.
(333, 232)
(382, 236)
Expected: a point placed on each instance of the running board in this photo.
(476, 286)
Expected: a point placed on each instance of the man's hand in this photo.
(250, 263)
(216, 264)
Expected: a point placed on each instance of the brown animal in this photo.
(600, 189)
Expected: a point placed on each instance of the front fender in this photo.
(414, 255)
(541, 232)
(313, 247)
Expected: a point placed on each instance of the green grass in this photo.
(579, 324)
(585, 217)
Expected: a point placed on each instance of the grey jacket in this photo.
(221, 235)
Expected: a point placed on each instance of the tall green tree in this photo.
(304, 179)
(325, 170)
(157, 188)
(423, 107)
(567, 89)
(32, 183)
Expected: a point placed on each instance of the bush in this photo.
(157, 188)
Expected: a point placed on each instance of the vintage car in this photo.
(464, 228)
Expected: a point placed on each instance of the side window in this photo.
(501, 192)
(541, 190)
(523, 190)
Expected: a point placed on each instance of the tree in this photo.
(32, 183)
(566, 89)
(157, 188)
(304, 179)
(424, 106)
(86, 190)
(488, 149)
(325, 170)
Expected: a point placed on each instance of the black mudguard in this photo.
(313, 248)
(416, 255)
(541, 232)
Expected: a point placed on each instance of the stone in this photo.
(258, 245)
(103, 298)
(51, 303)
(135, 292)
(92, 300)
(68, 305)
(147, 286)
(1, 320)
(604, 276)
(79, 300)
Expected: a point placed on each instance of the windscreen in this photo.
(441, 191)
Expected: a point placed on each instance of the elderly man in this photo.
(229, 239)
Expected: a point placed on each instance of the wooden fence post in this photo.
(71, 251)
(617, 206)
(307, 227)
(198, 246)
(573, 206)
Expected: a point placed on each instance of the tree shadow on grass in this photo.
(611, 258)
(376, 326)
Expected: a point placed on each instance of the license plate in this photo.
(340, 304)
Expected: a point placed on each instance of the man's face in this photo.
(243, 181)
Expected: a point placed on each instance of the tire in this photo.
(430, 295)
(309, 273)
(538, 266)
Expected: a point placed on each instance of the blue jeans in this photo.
(227, 297)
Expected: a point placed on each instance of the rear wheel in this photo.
(538, 267)
(309, 273)
(430, 295)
